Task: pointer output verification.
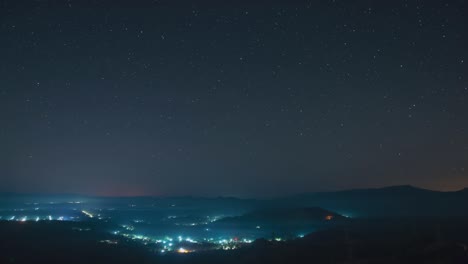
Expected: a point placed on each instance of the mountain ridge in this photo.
(391, 188)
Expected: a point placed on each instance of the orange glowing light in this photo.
(183, 250)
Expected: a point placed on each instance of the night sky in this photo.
(242, 98)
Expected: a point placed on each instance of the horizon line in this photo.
(227, 196)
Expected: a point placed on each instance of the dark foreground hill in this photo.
(64, 242)
(370, 242)
(383, 241)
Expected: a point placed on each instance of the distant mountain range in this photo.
(395, 201)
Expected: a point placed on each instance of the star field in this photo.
(247, 99)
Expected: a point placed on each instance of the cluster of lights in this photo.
(36, 218)
(81, 229)
(183, 250)
(214, 218)
(128, 227)
(181, 244)
(111, 242)
(233, 243)
(209, 219)
(178, 244)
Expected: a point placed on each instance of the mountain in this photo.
(293, 218)
(394, 201)
(286, 214)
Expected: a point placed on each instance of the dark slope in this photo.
(396, 201)
(374, 241)
(63, 242)
(283, 221)
(285, 215)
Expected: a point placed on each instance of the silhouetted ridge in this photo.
(313, 213)
(393, 201)
(462, 193)
(397, 189)
(299, 216)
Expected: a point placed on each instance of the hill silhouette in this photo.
(394, 201)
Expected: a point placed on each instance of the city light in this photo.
(87, 214)
(183, 250)
(185, 242)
